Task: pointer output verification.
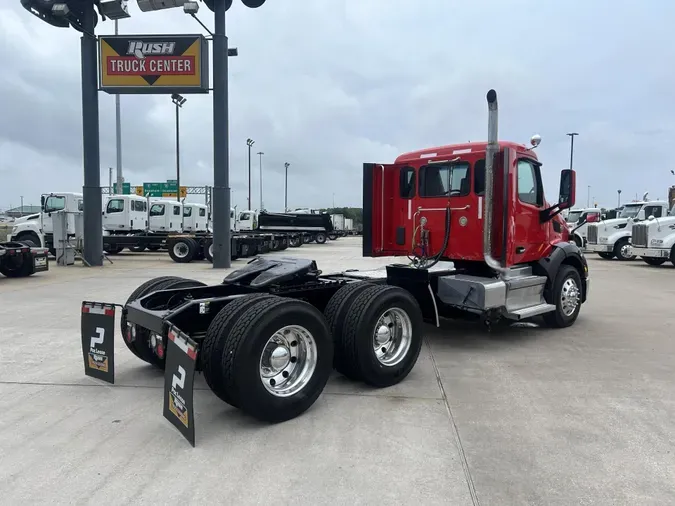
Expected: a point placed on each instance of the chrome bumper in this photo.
(599, 248)
(650, 252)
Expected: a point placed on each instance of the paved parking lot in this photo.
(520, 416)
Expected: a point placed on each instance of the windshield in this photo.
(573, 216)
(244, 216)
(630, 211)
(54, 203)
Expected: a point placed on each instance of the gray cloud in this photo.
(329, 85)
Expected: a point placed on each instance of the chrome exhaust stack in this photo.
(490, 154)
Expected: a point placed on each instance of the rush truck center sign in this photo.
(154, 64)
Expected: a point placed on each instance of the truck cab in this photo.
(195, 217)
(612, 238)
(165, 216)
(577, 222)
(124, 214)
(480, 209)
(40, 231)
(247, 220)
(653, 239)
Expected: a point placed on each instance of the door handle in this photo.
(520, 249)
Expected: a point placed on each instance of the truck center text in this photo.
(152, 65)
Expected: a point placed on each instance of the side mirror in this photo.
(568, 185)
(42, 202)
(651, 217)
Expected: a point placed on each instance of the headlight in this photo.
(603, 239)
(15, 230)
(656, 242)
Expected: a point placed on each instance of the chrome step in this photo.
(529, 312)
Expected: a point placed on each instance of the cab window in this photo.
(530, 189)
(157, 210)
(80, 205)
(444, 180)
(407, 183)
(187, 211)
(244, 216)
(654, 211)
(115, 206)
(54, 204)
(176, 210)
(202, 212)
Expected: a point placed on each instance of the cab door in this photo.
(530, 240)
(388, 194)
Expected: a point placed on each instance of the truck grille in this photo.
(592, 234)
(639, 235)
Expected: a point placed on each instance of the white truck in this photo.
(653, 240)
(612, 238)
(577, 223)
(40, 231)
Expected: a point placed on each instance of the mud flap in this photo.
(98, 340)
(179, 372)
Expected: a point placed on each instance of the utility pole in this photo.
(588, 198)
(222, 252)
(110, 184)
(249, 143)
(118, 136)
(179, 101)
(572, 134)
(262, 204)
(618, 204)
(22, 205)
(286, 188)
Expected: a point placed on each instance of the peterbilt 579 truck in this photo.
(653, 240)
(481, 243)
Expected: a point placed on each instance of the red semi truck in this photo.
(268, 337)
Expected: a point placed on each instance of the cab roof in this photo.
(453, 150)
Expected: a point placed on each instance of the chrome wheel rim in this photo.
(392, 337)
(625, 251)
(569, 297)
(288, 361)
(211, 250)
(180, 249)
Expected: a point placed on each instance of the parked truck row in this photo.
(184, 229)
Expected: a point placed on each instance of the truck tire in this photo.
(333, 237)
(606, 256)
(183, 250)
(29, 243)
(140, 346)
(320, 238)
(17, 266)
(154, 247)
(295, 241)
(565, 294)
(277, 359)
(621, 250)
(208, 250)
(382, 336)
(336, 313)
(283, 243)
(139, 248)
(28, 236)
(654, 260)
(212, 349)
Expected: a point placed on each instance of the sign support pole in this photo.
(91, 191)
(221, 177)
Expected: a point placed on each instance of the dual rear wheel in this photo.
(272, 356)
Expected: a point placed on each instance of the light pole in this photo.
(110, 184)
(618, 204)
(179, 101)
(21, 205)
(249, 143)
(572, 134)
(260, 154)
(588, 199)
(118, 136)
(286, 188)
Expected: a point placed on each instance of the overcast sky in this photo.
(329, 84)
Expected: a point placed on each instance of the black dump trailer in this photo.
(20, 260)
(313, 227)
(266, 339)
